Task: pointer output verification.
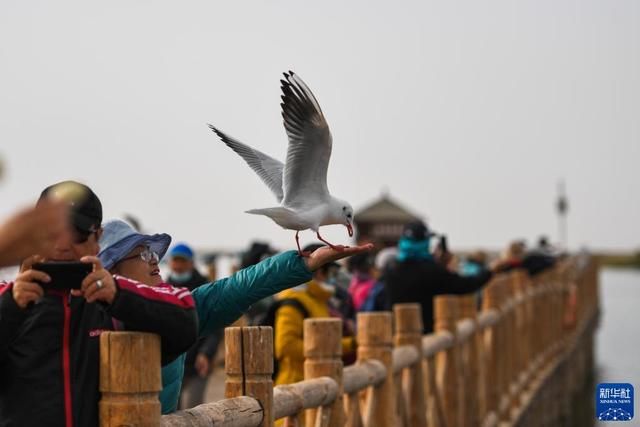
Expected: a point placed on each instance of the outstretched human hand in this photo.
(325, 255)
(31, 231)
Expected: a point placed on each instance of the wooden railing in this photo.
(517, 361)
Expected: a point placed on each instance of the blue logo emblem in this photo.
(614, 402)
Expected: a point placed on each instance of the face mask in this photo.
(302, 287)
(327, 287)
(181, 277)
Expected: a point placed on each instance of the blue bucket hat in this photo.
(119, 239)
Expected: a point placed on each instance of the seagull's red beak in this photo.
(350, 229)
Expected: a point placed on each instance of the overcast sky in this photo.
(469, 112)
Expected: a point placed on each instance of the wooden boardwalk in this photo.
(519, 361)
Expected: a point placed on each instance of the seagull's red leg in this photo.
(300, 251)
(334, 247)
(298, 243)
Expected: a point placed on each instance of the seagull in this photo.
(300, 184)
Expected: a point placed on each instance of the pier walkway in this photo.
(519, 360)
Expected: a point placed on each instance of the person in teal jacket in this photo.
(128, 253)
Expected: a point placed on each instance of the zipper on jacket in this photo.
(66, 359)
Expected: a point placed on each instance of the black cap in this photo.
(360, 262)
(256, 253)
(86, 209)
(416, 230)
(210, 258)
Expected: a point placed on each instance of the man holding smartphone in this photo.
(417, 276)
(49, 335)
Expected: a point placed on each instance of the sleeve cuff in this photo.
(109, 307)
(304, 268)
(9, 309)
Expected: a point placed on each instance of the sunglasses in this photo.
(147, 256)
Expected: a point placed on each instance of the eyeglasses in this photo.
(147, 256)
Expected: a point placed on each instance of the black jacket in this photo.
(537, 262)
(420, 280)
(194, 281)
(49, 352)
(206, 345)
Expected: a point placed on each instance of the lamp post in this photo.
(562, 207)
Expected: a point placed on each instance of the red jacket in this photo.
(359, 288)
(49, 352)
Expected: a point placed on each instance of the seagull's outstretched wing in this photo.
(309, 151)
(267, 168)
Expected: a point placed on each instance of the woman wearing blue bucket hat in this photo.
(134, 255)
(121, 246)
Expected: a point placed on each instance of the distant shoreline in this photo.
(620, 261)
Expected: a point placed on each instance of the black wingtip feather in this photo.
(221, 135)
(215, 130)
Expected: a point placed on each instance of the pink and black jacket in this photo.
(49, 352)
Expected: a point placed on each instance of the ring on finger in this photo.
(99, 284)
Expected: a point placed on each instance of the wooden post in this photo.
(234, 382)
(435, 407)
(323, 358)
(408, 322)
(549, 313)
(537, 314)
(525, 328)
(530, 328)
(130, 379)
(495, 350)
(519, 282)
(472, 397)
(257, 349)
(506, 353)
(511, 345)
(249, 366)
(375, 342)
(446, 314)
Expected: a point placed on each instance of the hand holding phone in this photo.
(97, 286)
(443, 244)
(26, 289)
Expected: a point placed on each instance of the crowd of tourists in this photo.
(51, 318)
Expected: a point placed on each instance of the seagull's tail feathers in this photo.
(284, 217)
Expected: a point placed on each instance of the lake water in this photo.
(617, 340)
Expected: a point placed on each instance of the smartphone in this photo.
(64, 275)
(443, 244)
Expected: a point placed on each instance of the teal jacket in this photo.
(222, 302)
